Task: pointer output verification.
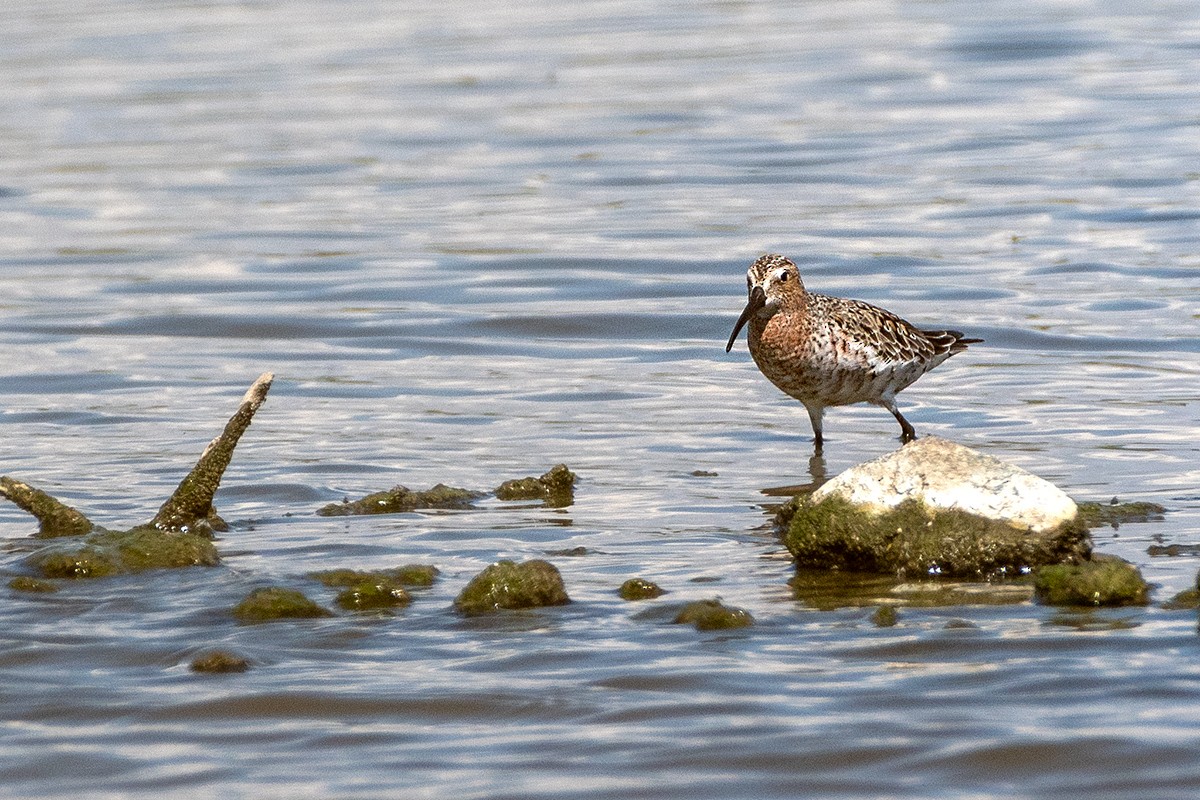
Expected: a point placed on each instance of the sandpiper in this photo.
(829, 351)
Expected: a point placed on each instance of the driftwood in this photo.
(189, 509)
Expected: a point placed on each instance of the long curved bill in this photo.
(758, 299)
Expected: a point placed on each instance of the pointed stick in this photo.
(192, 501)
(56, 518)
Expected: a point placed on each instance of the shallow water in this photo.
(475, 240)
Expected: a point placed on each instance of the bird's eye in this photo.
(783, 276)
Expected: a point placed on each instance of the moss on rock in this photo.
(54, 517)
(885, 617)
(401, 499)
(106, 553)
(640, 589)
(219, 661)
(508, 585)
(713, 615)
(407, 575)
(24, 583)
(274, 602)
(373, 595)
(1102, 581)
(556, 488)
(911, 540)
(1095, 515)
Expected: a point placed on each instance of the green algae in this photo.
(640, 589)
(1102, 581)
(105, 553)
(885, 617)
(1188, 599)
(713, 615)
(401, 499)
(407, 575)
(556, 488)
(54, 517)
(1095, 515)
(508, 585)
(24, 583)
(219, 662)
(912, 540)
(373, 596)
(275, 602)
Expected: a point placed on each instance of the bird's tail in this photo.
(949, 342)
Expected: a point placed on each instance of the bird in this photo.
(830, 351)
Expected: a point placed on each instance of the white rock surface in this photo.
(947, 475)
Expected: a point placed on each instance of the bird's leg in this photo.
(907, 433)
(815, 412)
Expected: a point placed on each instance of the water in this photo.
(474, 240)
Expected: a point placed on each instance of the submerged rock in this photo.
(508, 585)
(556, 488)
(640, 589)
(24, 583)
(106, 553)
(275, 602)
(885, 617)
(373, 596)
(827, 590)
(1114, 513)
(407, 575)
(944, 475)
(219, 661)
(1103, 581)
(400, 499)
(913, 540)
(713, 615)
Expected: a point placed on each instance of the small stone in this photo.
(1102, 581)
(884, 617)
(508, 585)
(946, 475)
(219, 661)
(555, 487)
(640, 589)
(274, 602)
(400, 499)
(712, 615)
(24, 583)
(373, 596)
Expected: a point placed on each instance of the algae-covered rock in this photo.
(1188, 599)
(944, 475)
(912, 540)
(556, 488)
(712, 615)
(104, 553)
(1114, 513)
(885, 617)
(24, 583)
(640, 589)
(54, 517)
(1102, 581)
(407, 575)
(508, 585)
(219, 661)
(274, 602)
(401, 499)
(373, 596)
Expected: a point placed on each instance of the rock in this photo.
(640, 589)
(507, 585)
(104, 553)
(913, 540)
(401, 499)
(556, 488)
(274, 602)
(712, 615)
(1103, 581)
(885, 617)
(373, 596)
(407, 575)
(24, 583)
(219, 661)
(945, 475)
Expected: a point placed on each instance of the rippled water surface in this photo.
(474, 240)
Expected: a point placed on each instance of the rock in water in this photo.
(946, 475)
